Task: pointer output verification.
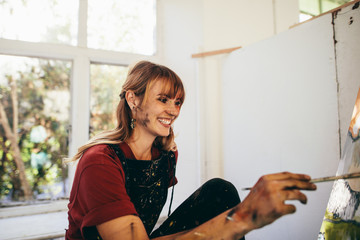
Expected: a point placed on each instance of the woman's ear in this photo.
(131, 99)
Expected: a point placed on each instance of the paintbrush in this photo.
(327, 179)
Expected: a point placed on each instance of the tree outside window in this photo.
(106, 83)
(34, 125)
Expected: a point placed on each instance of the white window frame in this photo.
(81, 57)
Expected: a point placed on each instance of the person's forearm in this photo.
(231, 224)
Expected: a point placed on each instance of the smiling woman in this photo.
(157, 108)
(156, 114)
(123, 175)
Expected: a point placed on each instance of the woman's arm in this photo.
(126, 227)
(264, 204)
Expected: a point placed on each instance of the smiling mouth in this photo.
(165, 121)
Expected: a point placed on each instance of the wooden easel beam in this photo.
(216, 52)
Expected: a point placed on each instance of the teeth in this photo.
(165, 121)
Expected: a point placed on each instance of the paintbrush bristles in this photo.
(327, 179)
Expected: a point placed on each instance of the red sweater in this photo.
(98, 193)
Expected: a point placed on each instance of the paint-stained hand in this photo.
(266, 200)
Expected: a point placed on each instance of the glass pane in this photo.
(34, 111)
(309, 7)
(39, 20)
(303, 17)
(122, 25)
(314, 8)
(106, 83)
(327, 5)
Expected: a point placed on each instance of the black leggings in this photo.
(212, 198)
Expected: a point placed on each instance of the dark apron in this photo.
(147, 184)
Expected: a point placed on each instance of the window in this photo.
(122, 25)
(106, 82)
(39, 21)
(43, 104)
(68, 59)
(312, 8)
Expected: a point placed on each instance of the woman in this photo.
(123, 176)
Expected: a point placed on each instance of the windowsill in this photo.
(39, 221)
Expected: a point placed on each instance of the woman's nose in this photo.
(173, 109)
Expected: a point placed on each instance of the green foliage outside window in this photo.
(106, 84)
(35, 115)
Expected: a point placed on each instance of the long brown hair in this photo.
(139, 80)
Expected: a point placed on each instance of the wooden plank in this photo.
(216, 52)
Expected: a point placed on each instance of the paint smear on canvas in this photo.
(342, 217)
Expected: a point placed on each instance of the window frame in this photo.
(81, 57)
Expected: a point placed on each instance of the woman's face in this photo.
(156, 115)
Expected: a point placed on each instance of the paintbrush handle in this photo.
(327, 179)
(333, 178)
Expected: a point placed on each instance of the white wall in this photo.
(232, 23)
(227, 24)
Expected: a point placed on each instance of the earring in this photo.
(132, 124)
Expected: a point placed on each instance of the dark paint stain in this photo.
(275, 214)
(254, 216)
(291, 188)
(144, 122)
(230, 214)
(334, 16)
(132, 230)
(351, 20)
(356, 5)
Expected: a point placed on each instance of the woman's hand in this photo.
(266, 200)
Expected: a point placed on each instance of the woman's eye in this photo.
(178, 103)
(163, 100)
